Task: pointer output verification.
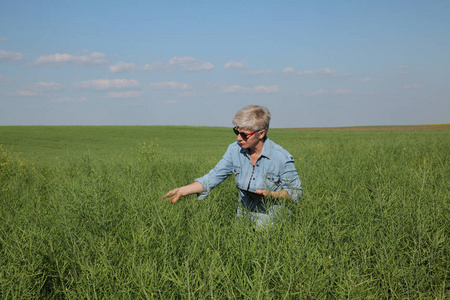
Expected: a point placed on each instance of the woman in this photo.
(265, 172)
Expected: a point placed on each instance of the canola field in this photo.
(81, 216)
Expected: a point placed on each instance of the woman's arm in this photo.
(291, 185)
(175, 194)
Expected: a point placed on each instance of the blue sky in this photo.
(312, 63)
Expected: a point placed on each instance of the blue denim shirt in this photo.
(274, 171)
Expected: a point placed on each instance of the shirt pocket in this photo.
(273, 182)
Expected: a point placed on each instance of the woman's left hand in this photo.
(264, 193)
(278, 194)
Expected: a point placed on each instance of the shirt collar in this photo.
(266, 151)
(267, 148)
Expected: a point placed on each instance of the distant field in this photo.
(48, 142)
(384, 128)
(81, 216)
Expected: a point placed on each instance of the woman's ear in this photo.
(262, 134)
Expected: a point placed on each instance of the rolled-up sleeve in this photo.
(291, 181)
(219, 173)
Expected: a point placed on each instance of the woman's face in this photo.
(252, 140)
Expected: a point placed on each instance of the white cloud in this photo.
(266, 89)
(94, 58)
(130, 104)
(343, 92)
(368, 79)
(322, 92)
(171, 101)
(188, 93)
(190, 64)
(39, 88)
(236, 65)
(2, 39)
(170, 85)
(258, 72)
(153, 67)
(127, 94)
(290, 70)
(122, 67)
(186, 90)
(321, 71)
(234, 89)
(261, 89)
(105, 84)
(27, 93)
(47, 86)
(413, 86)
(68, 100)
(10, 56)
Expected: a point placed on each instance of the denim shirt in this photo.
(274, 171)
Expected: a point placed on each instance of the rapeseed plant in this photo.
(372, 224)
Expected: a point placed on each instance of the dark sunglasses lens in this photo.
(243, 135)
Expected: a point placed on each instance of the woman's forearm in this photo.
(193, 188)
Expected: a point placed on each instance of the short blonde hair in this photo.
(253, 118)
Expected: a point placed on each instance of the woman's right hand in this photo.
(173, 195)
(177, 193)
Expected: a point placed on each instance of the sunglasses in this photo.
(243, 134)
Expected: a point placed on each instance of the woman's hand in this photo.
(278, 194)
(263, 193)
(173, 195)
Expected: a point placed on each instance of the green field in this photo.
(81, 216)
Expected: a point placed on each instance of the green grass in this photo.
(51, 142)
(82, 217)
